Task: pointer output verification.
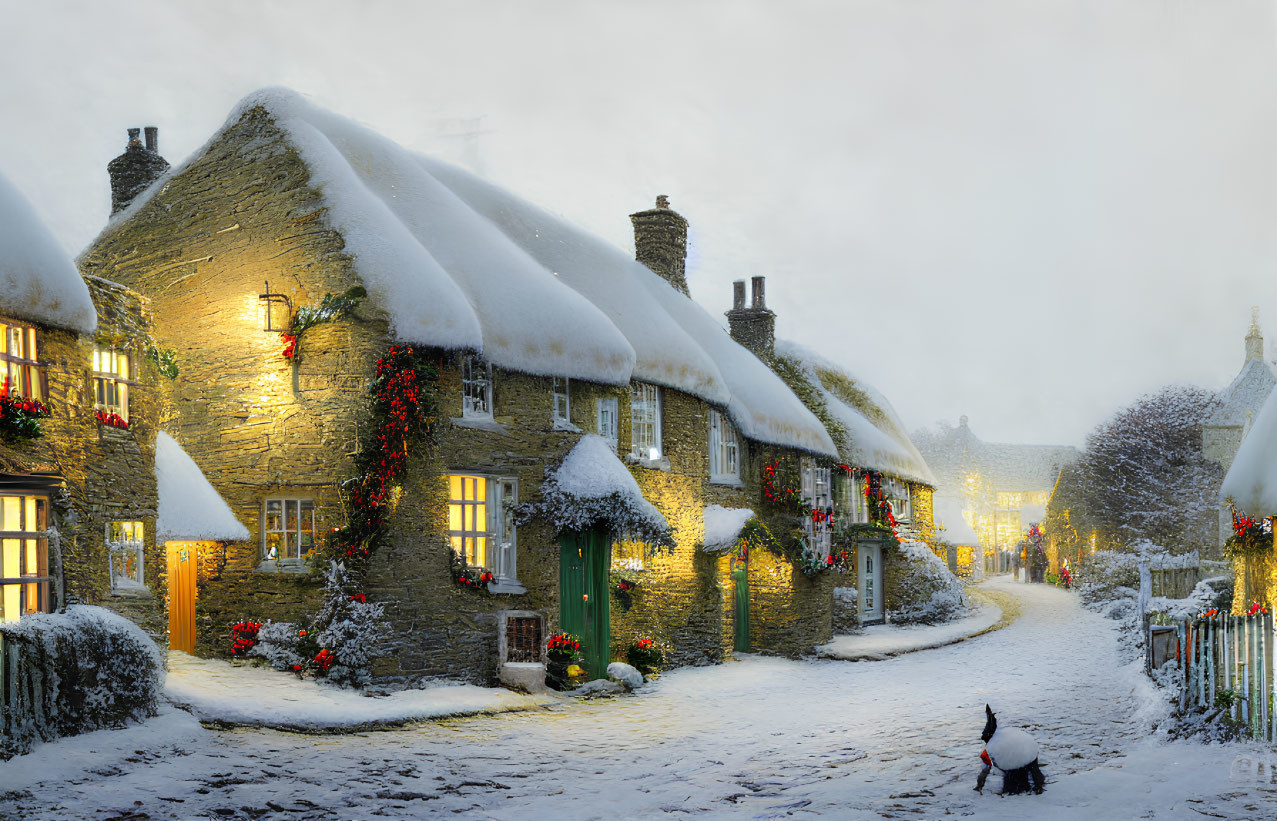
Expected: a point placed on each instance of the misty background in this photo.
(1029, 213)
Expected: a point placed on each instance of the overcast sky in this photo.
(1026, 212)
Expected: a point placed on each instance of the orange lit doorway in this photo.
(181, 596)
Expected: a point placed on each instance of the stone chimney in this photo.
(755, 326)
(1254, 339)
(660, 242)
(136, 168)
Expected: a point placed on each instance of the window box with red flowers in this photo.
(111, 420)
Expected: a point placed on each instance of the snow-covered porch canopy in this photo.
(190, 510)
(592, 488)
(38, 280)
(460, 264)
(723, 526)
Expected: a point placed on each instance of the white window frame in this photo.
(645, 422)
(297, 502)
(561, 396)
(476, 388)
(494, 525)
(111, 373)
(817, 497)
(19, 363)
(126, 541)
(724, 450)
(607, 419)
(855, 495)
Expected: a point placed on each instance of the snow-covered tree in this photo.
(1143, 475)
(352, 630)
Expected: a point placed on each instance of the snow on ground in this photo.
(883, 640)
(217, 691)
(758, 738)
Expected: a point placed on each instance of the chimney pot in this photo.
(738, 295)
(759, 300)
(135, 169)
(662, 201)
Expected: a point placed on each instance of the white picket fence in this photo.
(1228, 659)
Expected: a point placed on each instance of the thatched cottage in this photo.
(388, 362)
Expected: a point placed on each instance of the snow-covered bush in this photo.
(284, 645)
(82, 670)
(1100, 577)
(924, 590)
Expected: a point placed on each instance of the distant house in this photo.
(1000, 488)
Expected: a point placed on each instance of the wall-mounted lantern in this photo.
(275, 311)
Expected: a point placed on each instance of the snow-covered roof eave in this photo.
(38, 281)
(190, 509)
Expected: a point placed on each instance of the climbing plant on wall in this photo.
(404, 407)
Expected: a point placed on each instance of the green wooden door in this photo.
(740, 583)
(584, 561)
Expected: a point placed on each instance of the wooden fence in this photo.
(1227, 665)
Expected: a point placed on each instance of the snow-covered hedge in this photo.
(73, 672)
(925, 590)
(1100, 576)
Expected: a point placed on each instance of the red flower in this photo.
(359, 597)
(290, 345)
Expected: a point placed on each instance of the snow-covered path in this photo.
(758, 738)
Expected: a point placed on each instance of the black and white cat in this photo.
(1014, 752)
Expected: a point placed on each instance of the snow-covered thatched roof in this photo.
(1251, 481)
(876, 437)
(38, 280)
(458, 263)
(1236, 404)
(189, 508)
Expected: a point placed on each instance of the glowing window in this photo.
(288, 529)
(110, 381)
(18, 353)
(481, 523)
(24, 555)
